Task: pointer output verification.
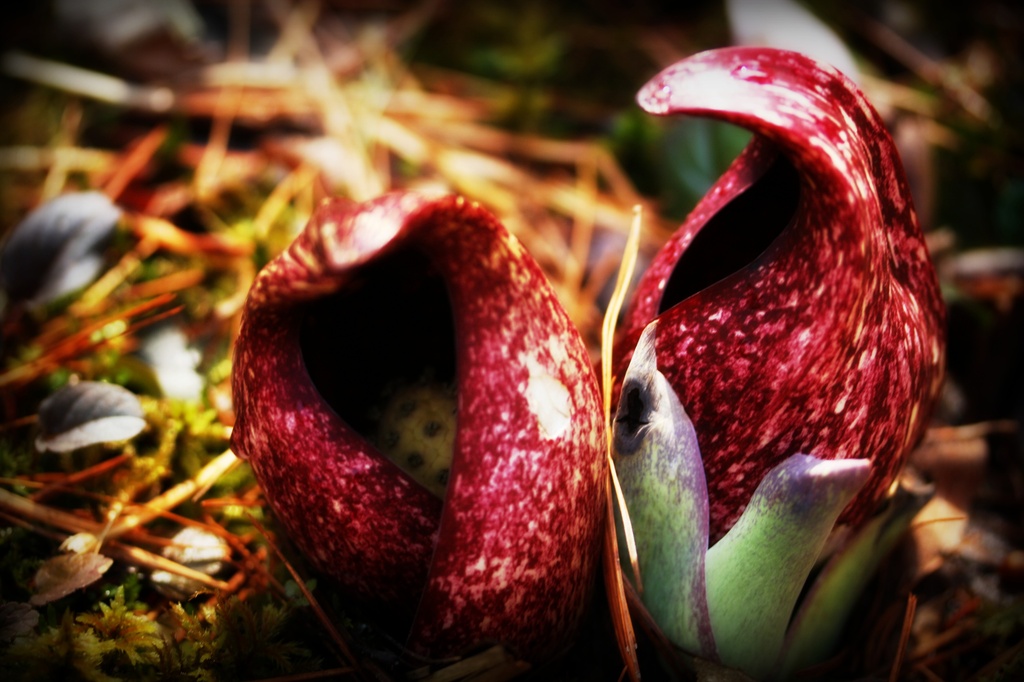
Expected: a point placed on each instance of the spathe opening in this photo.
(735, 236)
(381, 351)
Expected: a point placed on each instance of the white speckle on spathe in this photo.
(548, 398)
(577, 479)
(840, 405)
(549, 401)
(500, 572)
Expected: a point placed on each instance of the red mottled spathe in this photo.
(510, 555)
(831, 342)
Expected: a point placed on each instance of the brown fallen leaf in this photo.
(16, 620)
(63, 574)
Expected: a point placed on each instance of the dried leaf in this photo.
(80, 543)
(55, 249)
(195, 548)
(114, 25)
(166, 350)
(145, 39)
(86, 413)
(62, 575)
(16, 620)
(789, 26)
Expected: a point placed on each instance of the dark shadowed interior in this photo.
(736, 235)
(391, 323)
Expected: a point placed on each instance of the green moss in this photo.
(68, 651)
(17, 458)
(236, 640)
(133, 638)
(118, 640)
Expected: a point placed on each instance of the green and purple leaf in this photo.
(756, 572)
(823, 613)
(659, 467)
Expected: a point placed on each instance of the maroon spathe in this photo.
(831, 342)
(511, 553)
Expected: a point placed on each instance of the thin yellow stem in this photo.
(613, 494)
(607, 343)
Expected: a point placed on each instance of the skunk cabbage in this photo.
(420, 328)
(797, 307)
(780, 357)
